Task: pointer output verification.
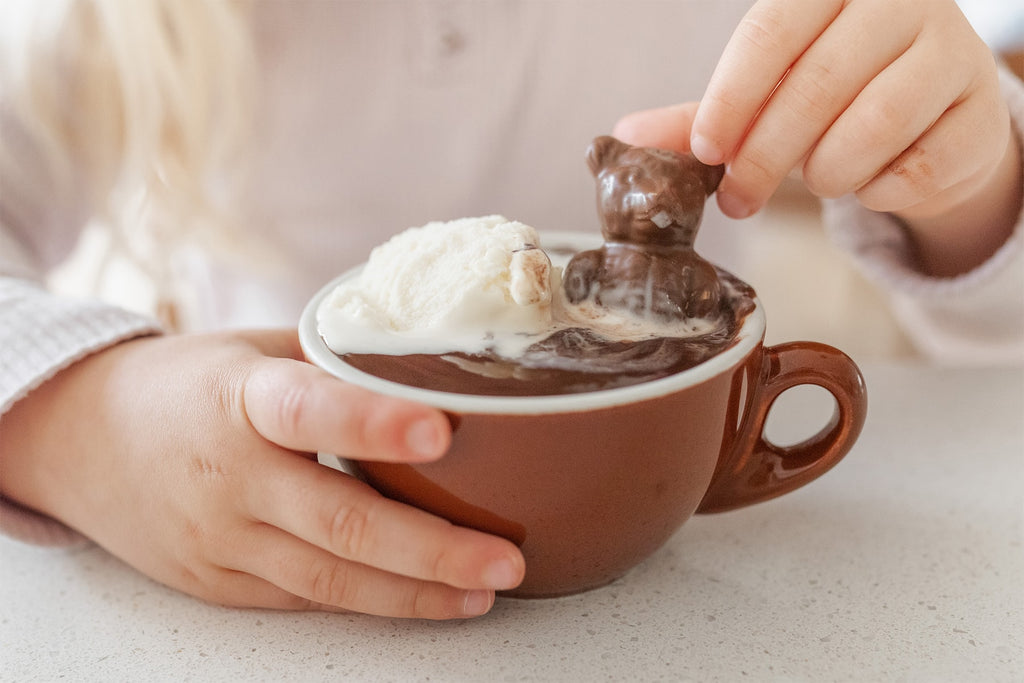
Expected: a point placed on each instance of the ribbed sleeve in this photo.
(41, 333)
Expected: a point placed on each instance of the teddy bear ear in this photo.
(602, 151)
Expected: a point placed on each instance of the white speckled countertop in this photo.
(904, 563)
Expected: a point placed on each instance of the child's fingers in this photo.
(918, 95)
(888, 116)
(233, 586)
(819, 86)
(298, 575)
(664, 128)
(944, 165)
(300, 407)
(351, 521)
(769, 39)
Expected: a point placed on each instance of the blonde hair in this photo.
(153, 95)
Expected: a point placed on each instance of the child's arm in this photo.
(900, 108)
(897, 103)
(189, 458)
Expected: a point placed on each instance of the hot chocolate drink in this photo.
(599, 394)
(641, 306)
(570, 360)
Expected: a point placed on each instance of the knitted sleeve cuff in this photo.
(41, 333)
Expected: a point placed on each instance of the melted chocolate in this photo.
(650, 203)
(573, 360)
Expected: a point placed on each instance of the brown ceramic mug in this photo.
(590, 484)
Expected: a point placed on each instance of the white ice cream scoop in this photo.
(462, 285)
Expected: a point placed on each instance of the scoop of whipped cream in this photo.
(462, 285)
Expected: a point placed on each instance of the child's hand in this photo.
(896, 101)
(189, 458)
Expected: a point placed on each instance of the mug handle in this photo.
(755, 469)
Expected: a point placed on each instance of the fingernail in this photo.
(705, 150)
(424, 439)
(502, 574)
(477, 603)
(733, 206)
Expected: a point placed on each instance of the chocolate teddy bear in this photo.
(651, 202)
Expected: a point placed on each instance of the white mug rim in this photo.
(750, 334)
